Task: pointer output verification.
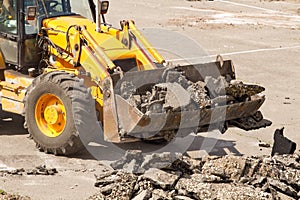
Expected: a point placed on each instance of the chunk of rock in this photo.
(159, 194)
(117, 184)
(243, 90)
(176, 97)
(263, 144)
(134, 167)
(228, 168)
(160, 160)
(252, 165)
(288, 160)
(134, 161)
(161, 178)
(258, 181)
(282, 187)
(144, 195)
(7, 196)
(142, 185)
(127, 89)
(199, 94)
(182, 198)
(194, 188)
(184, 165)
(130, 162)
(217, 86)
(282, 145)
(269, 170)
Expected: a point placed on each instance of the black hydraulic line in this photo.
(93, 9)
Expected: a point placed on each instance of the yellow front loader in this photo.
(68, 73)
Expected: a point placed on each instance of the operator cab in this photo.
(18, 33)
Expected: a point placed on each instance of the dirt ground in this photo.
(261, 37)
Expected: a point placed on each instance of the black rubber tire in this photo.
(67, 87)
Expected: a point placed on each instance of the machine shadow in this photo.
(11, 124)
(199, 147)
(218, 149)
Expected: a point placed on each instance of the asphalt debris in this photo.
(264, 144)
(7, 196)
(211, 177)
(39, 170)
(211, 92)
(282, 145)
(134, 162)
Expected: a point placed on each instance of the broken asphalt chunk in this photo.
(282, 145)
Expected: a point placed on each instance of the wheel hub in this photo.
(52, 114)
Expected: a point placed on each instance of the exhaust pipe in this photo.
(98, 16)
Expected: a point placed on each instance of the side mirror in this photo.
(31, 13)
(104, 7)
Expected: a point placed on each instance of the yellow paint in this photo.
(70, 71)
(13, 91)
(102, 48)
(17, 95)
(2, 63)
(12, 106)
(50, 115)
(16, 79)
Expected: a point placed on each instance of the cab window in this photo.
(8, 16)
(52, 8)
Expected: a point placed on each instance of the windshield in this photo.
(52, 8)
(81, 7)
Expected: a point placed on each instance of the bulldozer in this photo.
(65, 70)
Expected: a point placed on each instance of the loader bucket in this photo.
(150, 104)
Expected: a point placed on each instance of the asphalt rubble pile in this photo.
(177, 92)
(6, 196)
(209, 93)
(173, 176)
(39, 170)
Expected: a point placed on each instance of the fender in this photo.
(2, 60)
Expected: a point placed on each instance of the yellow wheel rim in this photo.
(50, 115)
